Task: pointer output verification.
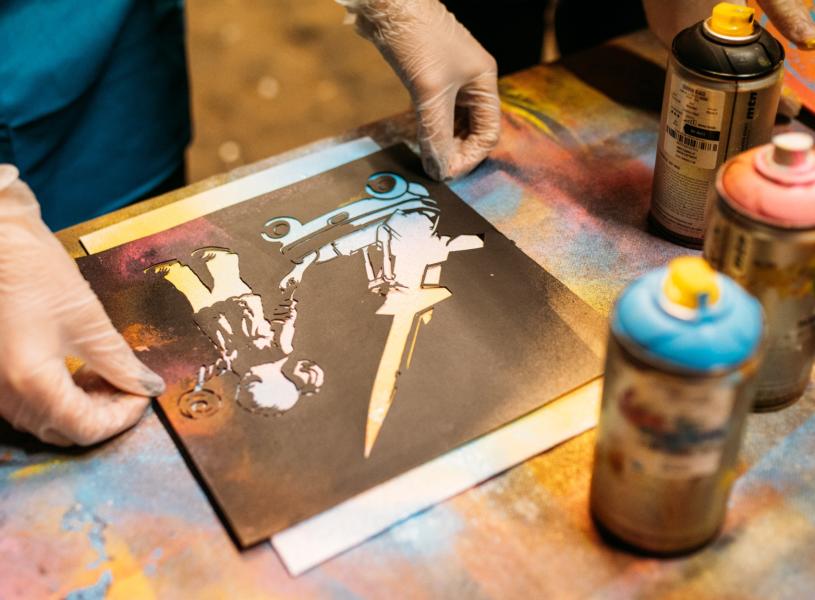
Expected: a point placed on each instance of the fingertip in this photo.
(111, 357)
(793, 21)
(8, 175)
(151, 381)
(55, 438)
(467, 161)
(108, 417)
(434, 168)
(82, 409)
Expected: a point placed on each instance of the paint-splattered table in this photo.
(570, 184)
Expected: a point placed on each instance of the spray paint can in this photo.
(682, 357)
(762, 234)
(721, 96)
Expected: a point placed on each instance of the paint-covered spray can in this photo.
(682, 357)
(762, 234)
(721, 96)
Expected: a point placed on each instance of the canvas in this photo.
(326, 337)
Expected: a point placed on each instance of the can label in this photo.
(693, 118)
(693, 125)
(670, 431)
(780, 272)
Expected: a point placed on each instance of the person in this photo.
(94, 115)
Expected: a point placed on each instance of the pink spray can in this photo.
(761, 232)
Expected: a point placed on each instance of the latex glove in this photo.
(666, 18)
(793, 20)
(452, 80)
(48, 312)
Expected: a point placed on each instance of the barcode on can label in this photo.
(691, 141)
(693, 123)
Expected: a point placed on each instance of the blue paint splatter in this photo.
(430, 533)
(77, 519)
(641, 143)
(96, 591)
(493, 194)
(80, 518)
(788, 468)
(150, 569)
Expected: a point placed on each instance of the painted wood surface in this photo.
(569, 183)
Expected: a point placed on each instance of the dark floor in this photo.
(269, 75)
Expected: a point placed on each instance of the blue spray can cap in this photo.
(688, 316)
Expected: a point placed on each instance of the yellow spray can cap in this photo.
(689, 280)
(732, 20)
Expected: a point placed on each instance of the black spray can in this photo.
(722, 90)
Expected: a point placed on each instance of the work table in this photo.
(570, 184)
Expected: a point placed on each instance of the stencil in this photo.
(328, 336)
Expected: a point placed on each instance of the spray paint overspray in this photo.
(328, 336)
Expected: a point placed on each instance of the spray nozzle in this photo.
(690, 287)
(789, 160)
(732, 20)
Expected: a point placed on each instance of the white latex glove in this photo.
(793, 20)
(666, 18)
(451, 79)
(48, 312)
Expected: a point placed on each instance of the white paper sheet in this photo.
(231, 193)
(334, 531)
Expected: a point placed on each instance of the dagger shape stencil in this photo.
(394, 229)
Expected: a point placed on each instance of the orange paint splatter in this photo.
(142, 337)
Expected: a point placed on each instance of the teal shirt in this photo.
(94, 107)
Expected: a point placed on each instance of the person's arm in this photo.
(452, 80)
(48, 312)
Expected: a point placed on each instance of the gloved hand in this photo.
(666, 18)
(793, 20)
(452, 80)
(47, 312)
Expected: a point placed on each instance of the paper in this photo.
(322, 537)
(325, 338)
(229, 194)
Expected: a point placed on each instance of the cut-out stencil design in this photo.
(394, 229)
(255, 348)
(323, 338)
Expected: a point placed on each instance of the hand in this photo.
(793, 20)
(452, 80)
(666, 18)
(47, 312)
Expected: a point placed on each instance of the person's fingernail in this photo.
(152, 382)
